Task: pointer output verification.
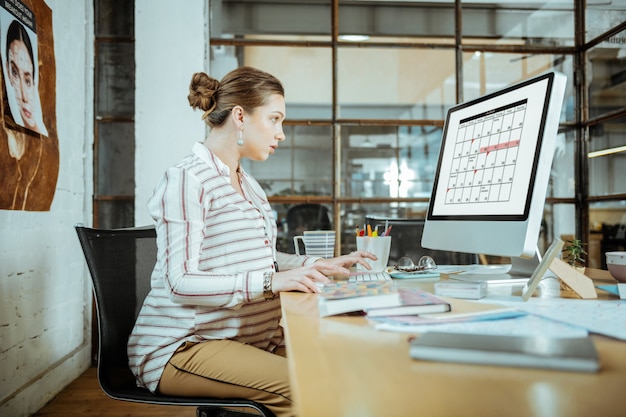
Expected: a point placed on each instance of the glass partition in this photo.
(302, 164)
(236, 19)
(305, 75)
(390, 77)
(603, 15)
(606, 75)
(409, 19)
(389, 162)
(532, 22)
(395, 83)
(607, 158)
(486, 72)
(562, 177)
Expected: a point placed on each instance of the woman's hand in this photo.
(305, 278)
(357, 257)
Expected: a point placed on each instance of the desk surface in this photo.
(341, 366)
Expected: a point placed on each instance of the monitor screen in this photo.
(493, 170)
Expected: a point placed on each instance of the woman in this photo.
(20, 63)
(210, 325)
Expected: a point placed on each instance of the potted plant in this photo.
(574, 253)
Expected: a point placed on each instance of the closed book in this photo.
(349, 296)
(572, 354)
(413, 301)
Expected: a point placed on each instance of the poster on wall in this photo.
(29, 153)
(19, 40)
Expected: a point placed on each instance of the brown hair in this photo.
(245, 86)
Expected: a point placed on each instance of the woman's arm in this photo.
(180, 210)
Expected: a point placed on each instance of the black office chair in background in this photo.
(613, 239)
(406, 240)
(303, 217)
(120, 262)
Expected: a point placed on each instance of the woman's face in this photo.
(263, 129)
(21, 76)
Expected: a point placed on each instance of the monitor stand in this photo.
(518, 271)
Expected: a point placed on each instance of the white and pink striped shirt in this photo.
(213, 247)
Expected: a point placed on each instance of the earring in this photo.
(240, 140)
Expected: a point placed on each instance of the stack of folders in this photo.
(571, 354)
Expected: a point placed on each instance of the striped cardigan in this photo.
(213, 247)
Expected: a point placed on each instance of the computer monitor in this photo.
(493, 171)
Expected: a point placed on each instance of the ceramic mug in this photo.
(317, 243)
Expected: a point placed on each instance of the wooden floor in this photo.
(83, 397)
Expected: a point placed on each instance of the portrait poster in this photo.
(29, 152)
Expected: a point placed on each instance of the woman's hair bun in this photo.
(203, 92)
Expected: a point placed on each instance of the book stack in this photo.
(412, 301)
(376, 299)
(350, 296)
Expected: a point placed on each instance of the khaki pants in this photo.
(228, 369)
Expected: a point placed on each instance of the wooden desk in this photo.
(342, 367)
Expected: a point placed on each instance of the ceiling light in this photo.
(354, 38)
(604, 152)
(367, 143)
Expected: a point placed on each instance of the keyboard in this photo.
(361, 276)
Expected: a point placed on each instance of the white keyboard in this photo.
(369, 276)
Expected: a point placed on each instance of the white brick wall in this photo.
(45, 295)
(45, 292)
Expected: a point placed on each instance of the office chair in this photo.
(120, 262)
(303, 217)
(613, 239)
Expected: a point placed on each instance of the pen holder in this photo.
(379, 246)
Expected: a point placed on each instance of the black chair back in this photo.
(120, 262)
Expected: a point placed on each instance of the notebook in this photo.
(352, 296)
(571, 354)
(413, 301)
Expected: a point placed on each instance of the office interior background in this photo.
(365, 115)
(368, 84)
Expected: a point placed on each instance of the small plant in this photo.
(574, 252)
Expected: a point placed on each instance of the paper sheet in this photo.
(526, 325)
(607, 317)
